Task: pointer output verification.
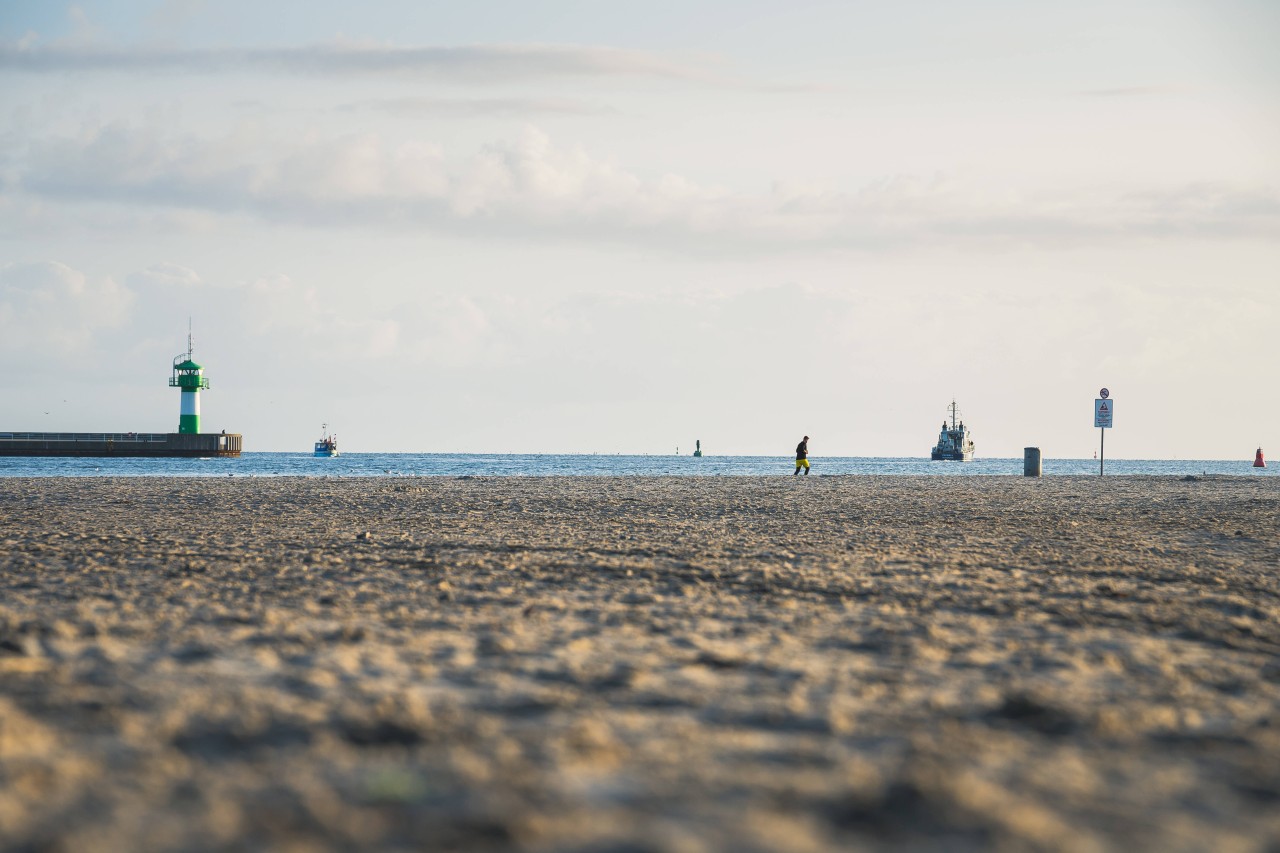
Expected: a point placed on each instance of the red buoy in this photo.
(1258, 461)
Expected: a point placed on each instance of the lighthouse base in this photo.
(157, 444)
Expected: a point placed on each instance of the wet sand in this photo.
(640, 664)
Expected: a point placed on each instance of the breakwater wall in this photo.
(119, 444)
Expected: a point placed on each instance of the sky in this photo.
(620, 227)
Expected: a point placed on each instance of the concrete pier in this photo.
(119, 444)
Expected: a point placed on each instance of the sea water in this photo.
(577, 465)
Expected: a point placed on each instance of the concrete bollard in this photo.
(1031, 462)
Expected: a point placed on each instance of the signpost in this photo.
(1104, 410)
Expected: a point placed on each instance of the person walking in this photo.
(802, 456)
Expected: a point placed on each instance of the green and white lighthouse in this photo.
(188, 376)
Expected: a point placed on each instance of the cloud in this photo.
(530, 187)
(49, 306)
(172, 15)
(165, 276)
(287, 315)
(83, 30)
(1134, 91)
(73, 319)
(475, 63)
(473, 107)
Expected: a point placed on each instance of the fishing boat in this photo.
(328, 444)
(954, 443)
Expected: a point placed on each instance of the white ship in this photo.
(954, 443)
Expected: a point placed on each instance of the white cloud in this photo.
(473, 107)
(172, 15)
(49, 308)
(286, 316)
(165, 276)
(474, 63)
(531, 187)
(73, 319)
(1135, 91)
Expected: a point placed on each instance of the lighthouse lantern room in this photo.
(189, 377)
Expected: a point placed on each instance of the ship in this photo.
(954, 443)
(327, 445)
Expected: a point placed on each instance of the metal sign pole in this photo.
(1103, 409)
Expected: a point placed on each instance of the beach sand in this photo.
(638, 664)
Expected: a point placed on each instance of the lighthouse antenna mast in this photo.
(190, 347)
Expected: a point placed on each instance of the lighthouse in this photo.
(189, 377)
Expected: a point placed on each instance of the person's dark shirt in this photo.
(802, 450)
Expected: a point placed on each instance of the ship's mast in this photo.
(953, 413)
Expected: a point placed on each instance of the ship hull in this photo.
(123, 444)
(951, 457)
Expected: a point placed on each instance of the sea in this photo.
(593, 465)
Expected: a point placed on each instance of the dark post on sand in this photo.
(1031, 462)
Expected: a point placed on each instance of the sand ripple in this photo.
(640, 664)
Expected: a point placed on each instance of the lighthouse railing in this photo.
(138, 437)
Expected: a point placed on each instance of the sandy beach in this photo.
(636, 664)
